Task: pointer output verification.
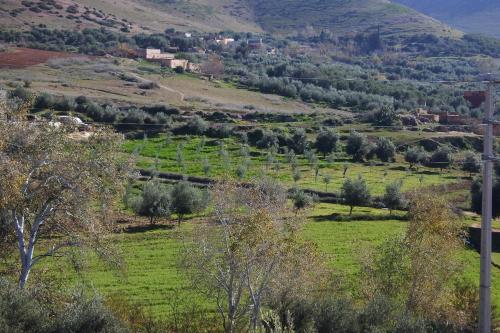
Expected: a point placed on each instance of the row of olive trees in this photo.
(327, 141)
(355, 193)
(158, 201)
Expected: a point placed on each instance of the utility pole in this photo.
(488, 158)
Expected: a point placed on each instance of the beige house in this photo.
(183, 63)
(426, 117)
(155, 54)
(174, 63)
(225, 41)
(167, 59)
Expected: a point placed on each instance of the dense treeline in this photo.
(91, 41)
(468, 45)
(351, 86)
(423, 44)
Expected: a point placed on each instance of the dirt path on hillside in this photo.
(164, 87)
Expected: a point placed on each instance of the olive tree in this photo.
(356, 146)
(301, 199)
(393, 198)
(355, 192)
(385, 150)
(477, 197)
(472, 163)
(327, 179)
(298, 141)
(154, 201)
(326, 141)
(186, 199)
(415, 156)
(53, 183)
(441, 158)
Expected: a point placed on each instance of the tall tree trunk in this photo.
(25, 272)
(255, 315)
(26, 251)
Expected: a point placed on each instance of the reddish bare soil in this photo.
(24, 57)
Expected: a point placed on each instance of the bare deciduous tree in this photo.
(56, 187)
(417, 269)
(214, 66)
(248, 252)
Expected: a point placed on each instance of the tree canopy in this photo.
(54, 184)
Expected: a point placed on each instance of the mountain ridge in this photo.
(282, 17)
(478, 16)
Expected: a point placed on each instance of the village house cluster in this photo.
(167, 57)
(452, 118)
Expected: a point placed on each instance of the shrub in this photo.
(262, 139)
(81, 100)
(195, 126)
(477, 197)
(21, 93)
(100, 114)
(255, 136)
(148, 85)
(85, 314)
(219, 131)
(132, 116)
(19, 312)
(72, 9)
(160, 108)
(386, 116)
(64, 104)
(44, 101)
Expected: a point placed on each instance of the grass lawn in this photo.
(151, 274)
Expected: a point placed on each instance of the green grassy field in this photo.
(152, 277)
(157, 153)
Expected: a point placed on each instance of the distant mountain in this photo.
(274, 16)
(344, 16)
(481, 16)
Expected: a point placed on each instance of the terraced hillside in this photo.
(282, 16)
